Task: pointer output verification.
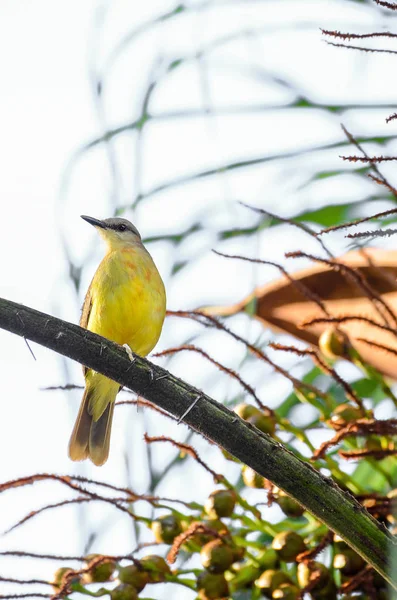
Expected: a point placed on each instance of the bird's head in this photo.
(117, 233)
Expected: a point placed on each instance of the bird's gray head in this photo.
(116, 232)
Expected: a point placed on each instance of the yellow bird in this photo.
(125, 303)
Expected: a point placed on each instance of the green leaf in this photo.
(232, 233)
(178, 267)
(175, 238)
(328, 215)
(292, 400)
(365, 388)
(366, 476)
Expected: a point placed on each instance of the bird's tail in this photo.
(91, 433)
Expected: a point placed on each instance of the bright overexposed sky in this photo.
(50, 52)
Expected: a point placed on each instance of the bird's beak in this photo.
(94, 222)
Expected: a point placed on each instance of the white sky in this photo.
(47, 113)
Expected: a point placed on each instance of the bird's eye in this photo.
(121, 227)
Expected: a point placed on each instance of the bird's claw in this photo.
(189, 408)
(129, 352)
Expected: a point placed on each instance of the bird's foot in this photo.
(152, 376)
(129, 352)
(187, 411)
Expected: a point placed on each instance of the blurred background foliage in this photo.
(204, 106)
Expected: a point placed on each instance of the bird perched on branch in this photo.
(125, 303)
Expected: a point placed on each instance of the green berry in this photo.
(348, 562)
(333, 343)
(251, 478)
(286, 591)
(245, 411)
(166, 528)
(243, 576)
(212, 586)
(156, 568)
(238, 553)
(270, 580)
(124, 591)
(327, 592)
(216, 556)
(220, 503)
(60, 576)
(288, 505)
(200, 538)
(268, 559)
(288, 544)
(345, 413)
(134, 575)
(101, 572)
(264, 422)
(307, 572)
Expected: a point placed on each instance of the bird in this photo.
(125, 303)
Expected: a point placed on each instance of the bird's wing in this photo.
(85, 313)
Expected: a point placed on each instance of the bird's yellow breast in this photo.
(128, 299)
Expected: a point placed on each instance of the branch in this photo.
(317, 493)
